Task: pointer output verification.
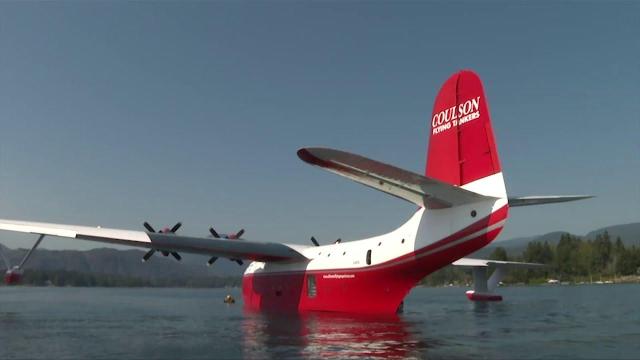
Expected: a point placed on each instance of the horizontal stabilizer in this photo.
(484, 263)
(541, 200)
(406, 185)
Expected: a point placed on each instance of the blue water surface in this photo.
(545, 322)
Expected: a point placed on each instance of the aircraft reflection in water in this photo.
(321, 334)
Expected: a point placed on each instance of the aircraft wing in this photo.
(236, 249)
(406, 185)
(484, 263)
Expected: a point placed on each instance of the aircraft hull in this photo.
(377, 289)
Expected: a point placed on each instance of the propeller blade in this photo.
(176, 255)
(165, 253)
(212, 260)
(314, 241)
(214, 233)
(175, 227)
(148, 227)
(239, 233)
(238, 261)
(148, 255)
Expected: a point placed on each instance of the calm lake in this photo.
(546, 322)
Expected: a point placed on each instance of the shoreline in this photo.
(618, 280)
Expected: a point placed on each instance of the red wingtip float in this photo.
(13, 276)
(462, 202)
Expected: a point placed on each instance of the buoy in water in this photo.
(229, 299)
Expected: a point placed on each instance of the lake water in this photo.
(547, 322)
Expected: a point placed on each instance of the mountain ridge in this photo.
(122, 263)
(629, 234)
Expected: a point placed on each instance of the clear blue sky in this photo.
(114, 113)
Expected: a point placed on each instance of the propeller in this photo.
(148, 255)
(174, 228)
(166, 230)
(235, 236)
(314, 241)
(148, 227)
(216, 235)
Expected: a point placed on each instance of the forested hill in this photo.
(596, 257)
(628, 233)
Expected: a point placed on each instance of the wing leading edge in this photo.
(250, 250)
(406, 185)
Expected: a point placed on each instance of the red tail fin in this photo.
(462, 148)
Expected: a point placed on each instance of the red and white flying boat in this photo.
(462, 206)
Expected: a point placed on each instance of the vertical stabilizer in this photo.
(462, 148)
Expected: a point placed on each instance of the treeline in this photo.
(573, 259)
(74, 278)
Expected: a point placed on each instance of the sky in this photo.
(116, 113)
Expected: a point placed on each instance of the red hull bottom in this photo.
(474, 296)
(12, 278)
(378, 289)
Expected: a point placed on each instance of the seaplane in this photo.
(461, 206)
